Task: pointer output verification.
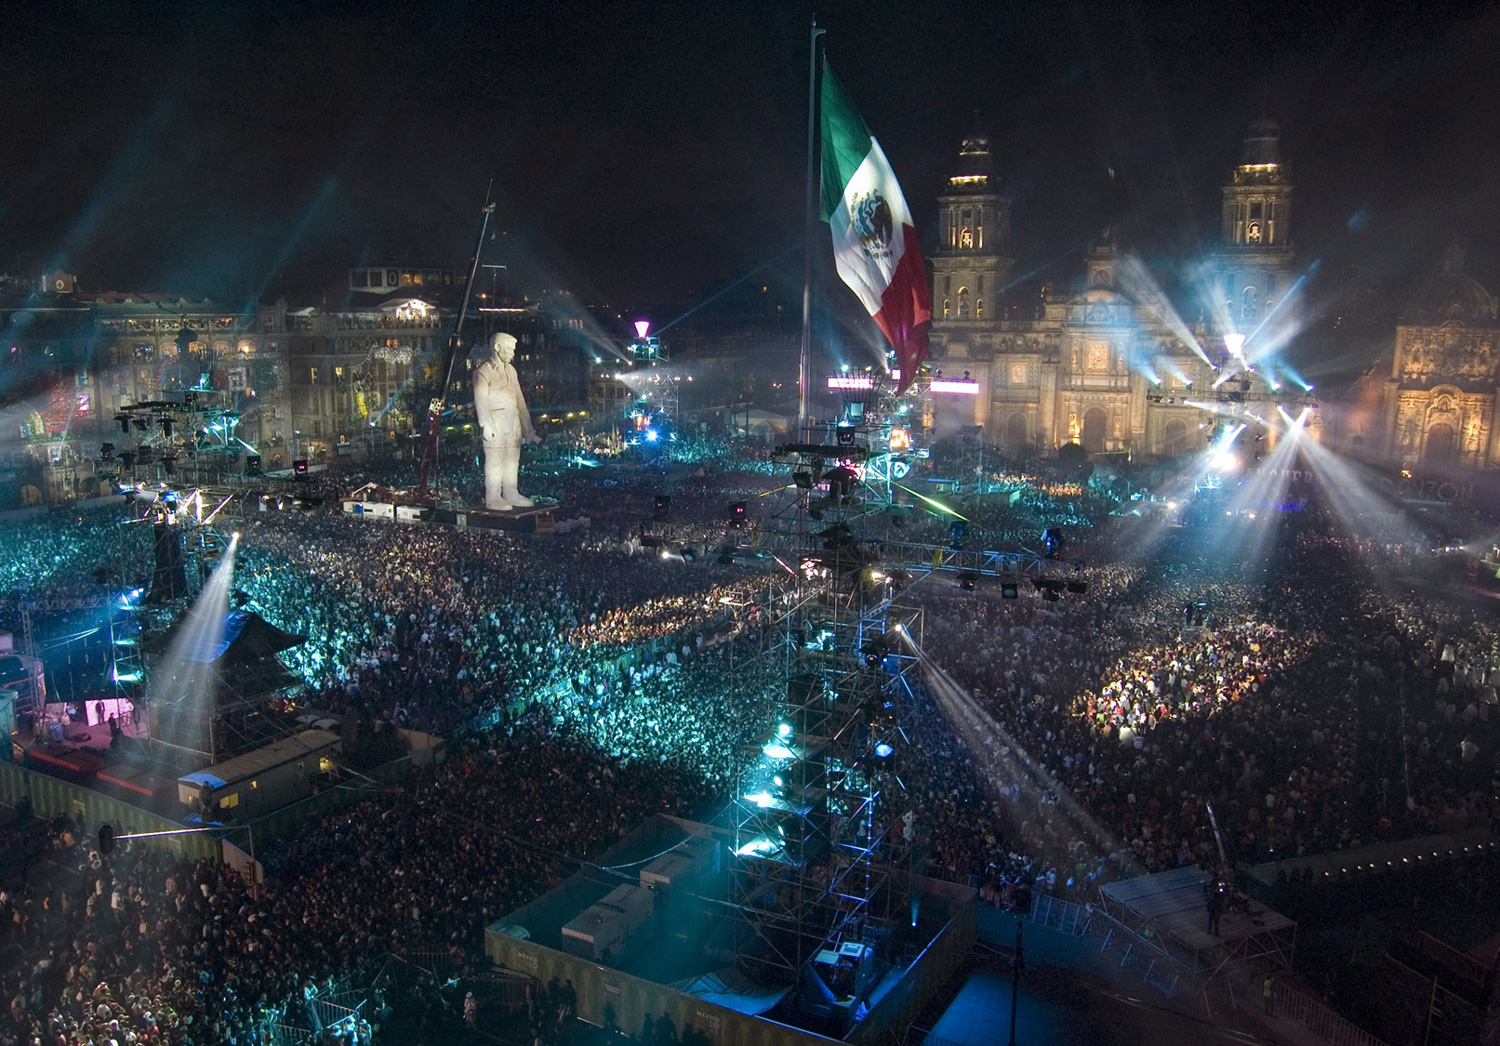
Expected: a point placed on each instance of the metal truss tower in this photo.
(817, 814)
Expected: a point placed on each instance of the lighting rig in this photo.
(819, 871)
(193, 434)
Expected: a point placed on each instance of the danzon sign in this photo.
(1427, 489)
(1406, 488)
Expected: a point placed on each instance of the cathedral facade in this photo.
(1111, 366)
(1430, 405)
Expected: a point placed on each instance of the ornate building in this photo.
(1434, 408)
(1107, 365)
(1254, 256)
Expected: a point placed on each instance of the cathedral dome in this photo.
(976, 165)
(1262, 144)
(1450, 297)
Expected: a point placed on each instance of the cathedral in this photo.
(1429, 405)
(1112, 366)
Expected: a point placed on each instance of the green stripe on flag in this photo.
(846, 141)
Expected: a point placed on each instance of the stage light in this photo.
(737, 514)
(845, 435)
(1234, 342)
(652, 436)
(252, 463)
(641, 327)
(883, 750)
(106, 451)
(663, 506)
(784, 731)
(957, 531)
(1054, 542)
(966, 581)
(300, 466)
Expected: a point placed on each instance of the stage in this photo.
(536, 520)
(1175, 903)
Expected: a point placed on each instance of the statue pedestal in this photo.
(535, 520)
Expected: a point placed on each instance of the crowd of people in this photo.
(584, 682)
(1200, 710)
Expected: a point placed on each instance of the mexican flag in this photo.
(874, 241)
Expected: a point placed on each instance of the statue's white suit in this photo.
(500, 409)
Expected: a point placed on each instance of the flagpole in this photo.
(810, 225)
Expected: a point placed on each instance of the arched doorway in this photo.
(1442, 445)
(1095, 424)
(1175, 438)
(1015, 431)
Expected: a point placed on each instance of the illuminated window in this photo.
(966, 237)
(945, 308)
(1252, 232)
(979, 308)
(229, 802)
(338, 373)
(406, 279)
(417, 279)
(312, 375)
(963, 303)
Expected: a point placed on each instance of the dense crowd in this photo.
(1310, 707)
(584, 683)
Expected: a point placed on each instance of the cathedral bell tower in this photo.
(969, 266)
(1254, 257)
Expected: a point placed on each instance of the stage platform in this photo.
(1176, 904)
(539, 519)
(639, 936)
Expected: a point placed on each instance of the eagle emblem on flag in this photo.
(873, 224)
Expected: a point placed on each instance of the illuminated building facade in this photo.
(1101, 365)
(1432, 408)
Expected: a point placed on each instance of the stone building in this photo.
(1108, 364)
(1430, 404)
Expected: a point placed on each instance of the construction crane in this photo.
(446, 363)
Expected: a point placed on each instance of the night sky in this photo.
(649, 153)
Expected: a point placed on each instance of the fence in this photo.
(1066, 916)
(1318, 1018)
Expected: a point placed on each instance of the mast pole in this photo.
(810, 224)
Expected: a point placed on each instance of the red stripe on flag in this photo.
(906, 309)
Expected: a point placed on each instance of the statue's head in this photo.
(504, 346)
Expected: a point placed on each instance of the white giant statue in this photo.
(500, 409)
